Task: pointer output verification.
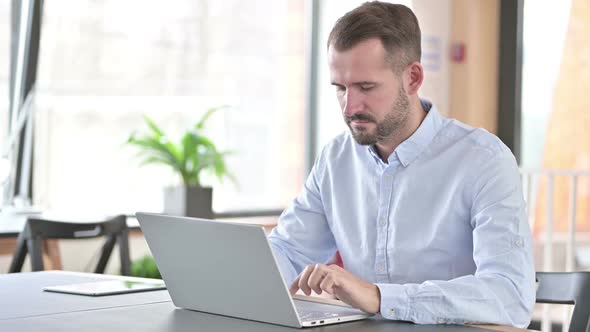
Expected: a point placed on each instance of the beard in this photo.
(394, 120)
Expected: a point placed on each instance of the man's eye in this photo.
(367, 87)
(340, 89)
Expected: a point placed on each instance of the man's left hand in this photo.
(344, 285)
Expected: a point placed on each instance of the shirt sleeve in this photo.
(502, 290)
(302, 236)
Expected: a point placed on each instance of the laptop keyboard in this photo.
(311, 311)
(306, 315)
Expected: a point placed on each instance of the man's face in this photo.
(374, 103)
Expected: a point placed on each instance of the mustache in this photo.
(360, 117)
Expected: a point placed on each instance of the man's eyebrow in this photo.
(355, 83)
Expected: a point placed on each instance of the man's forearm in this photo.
(469, 299)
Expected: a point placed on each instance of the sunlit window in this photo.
(4, 65)
(4, 83)
(538, 94)
(105, 63)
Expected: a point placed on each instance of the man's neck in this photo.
(413, 121)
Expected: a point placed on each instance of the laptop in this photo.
(229, 269)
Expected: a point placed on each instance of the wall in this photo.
(474, 82)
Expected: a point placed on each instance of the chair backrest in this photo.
(38, 229)
(56, 229)
(567, 288)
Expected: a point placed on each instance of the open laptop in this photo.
(229, 269)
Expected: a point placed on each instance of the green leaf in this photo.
(190, 158)
(153, 126)
(156, 148)
(193, 153)
(206, 116)
(156, 160)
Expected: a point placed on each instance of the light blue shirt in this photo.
(440, 229)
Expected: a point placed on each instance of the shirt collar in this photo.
(412, 147)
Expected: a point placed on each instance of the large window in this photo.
(105, 63)
(4, 70)
(538, 94)
(4, 66)
(555, 117)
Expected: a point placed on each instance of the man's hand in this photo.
(336, 281)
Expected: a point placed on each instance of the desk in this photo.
(25, 307)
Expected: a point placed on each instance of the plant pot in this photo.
(189, 201)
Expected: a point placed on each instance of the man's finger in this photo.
(295, 286)
(303, 279)
(327, 284)
(315, 278)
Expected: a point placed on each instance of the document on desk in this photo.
(107, 287)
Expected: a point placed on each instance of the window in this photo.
(538, 94)
(555, 117)
(105, 63)
(4, 84)
(4, 65)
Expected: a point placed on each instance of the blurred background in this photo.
(95, 68)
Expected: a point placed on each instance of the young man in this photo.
(426, 213)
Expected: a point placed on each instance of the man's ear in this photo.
(413, 77)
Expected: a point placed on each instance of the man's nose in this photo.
(353, 103)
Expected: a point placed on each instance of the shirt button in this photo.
(380, 268)
(519, 243)
(382, 222)
(391, 312)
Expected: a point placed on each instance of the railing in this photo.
(531, 179)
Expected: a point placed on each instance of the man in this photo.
(426, 213)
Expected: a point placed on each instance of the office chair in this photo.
(38, 229)
(567, 288)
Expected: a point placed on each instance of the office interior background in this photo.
(516, 68)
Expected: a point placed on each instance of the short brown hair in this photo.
(395, 25)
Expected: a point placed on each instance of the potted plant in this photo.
(193, 154)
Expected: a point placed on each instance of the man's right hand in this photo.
(345, 286)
